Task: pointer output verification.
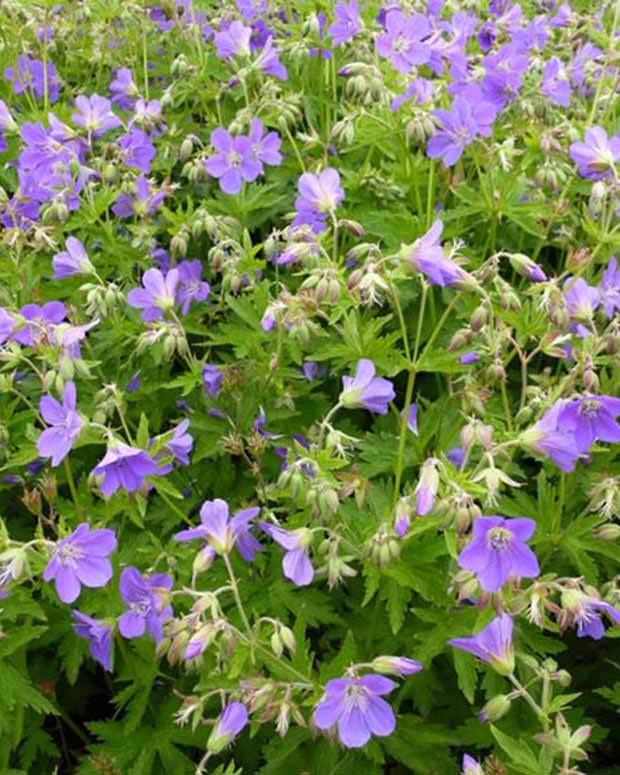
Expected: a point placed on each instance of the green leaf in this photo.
(467, 676)
(521, 755)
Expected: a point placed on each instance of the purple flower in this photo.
(181, 443)
(427, 257)
(157, 295)
(95, 115)
(497, 551)
(319, 196)
(459, 127)
(347, 23)
(126, 467)
(357, 707)
(265, 148)
(403, 41)
(8, 324)
(296, 563)
(551, 438)
(123, 89)
(590, 419)
(33, 76)
(231, 722)
(456, 456)
(233, 40)
(99, 636)
(610, 288)
(492, 645)
(555, 84)
(191, 285)
(504, 75)
(7, 122)
(427, 487)
(468, 358)
(57, 441)
(269, 61)
(470, 766)
(81, 558)
(212, 378)
(234, 162)
(595, 158)
(527, 268)
(42, 319)
(586, 612)
(147, 599)
(581, 299)
(412, 418)
(250, 9)
(145, 201)
(71, 261)
(365, 391)
(222, 532)
(137, 150)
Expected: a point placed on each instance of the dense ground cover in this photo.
(309, 363)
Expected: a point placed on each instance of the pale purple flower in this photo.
(145, 200)
(365, 391)
(505, 71)
(65, 422)
(181, 443)
(233, 40)
(456, 456)
(527, 268)
(582, 299)
(403, 41)
(250, 9)
(42, 319)
(81, 558)
(147, 600)
(609, 288)
(497, 551)
(8, 324)
(34, 76)
(265, 148)
(137, 150)
(356, 707)
(157, 295)
(590, 419)
(319, 196)
(468, 358)
(551, 438)
(7, 122)
(296, 563)
(99, 637)
(234, 161)
(123, 89)
(212, 378)
(428, 257)
(74, 260)
(459, 126)
(588, 617)
(147, 114)
(269, 61)
(126, 467)
(95, 115)
(347, 23)
(191, 285)
(492, 645)
(230, 724)
(555, 84)
(222, 532)
(595, 158)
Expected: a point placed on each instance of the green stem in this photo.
(400, 461)
(430, 195)
(72, 487)
(291, 140)
(239, 604)
(325, 422)
(528, 697)
(440, 324)
(507, 412)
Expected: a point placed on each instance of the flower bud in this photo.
(607, 532)
(495, 709)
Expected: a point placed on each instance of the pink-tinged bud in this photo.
(524, 266)
(426, 491)
(399, 666)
